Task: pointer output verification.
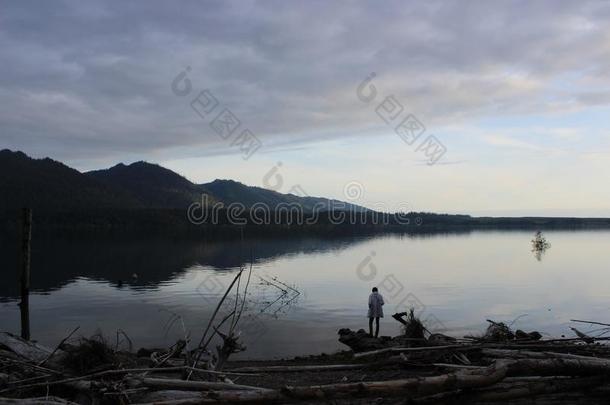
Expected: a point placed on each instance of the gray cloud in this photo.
(92, 79)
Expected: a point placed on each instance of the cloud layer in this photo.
(93, 80)
(518, 92)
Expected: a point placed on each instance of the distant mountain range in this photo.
(48, 185)
(148, 199)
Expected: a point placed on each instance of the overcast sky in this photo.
(517, 92)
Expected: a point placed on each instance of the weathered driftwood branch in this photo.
(585, 338)
(36, 401)
(59, 346)
(510, 347)
(400, 317)
(30, 366)
(542, 345)
(107, 373)
(411, 387)
(28, 350)
(230, 345)
(526, 354)
(416, 349)
(550, 363)
(361, 341)
(161, 358)
(392, 361)
(457, 366)
(171, 396)
(165, 383)
(589, 322)
(290, 369)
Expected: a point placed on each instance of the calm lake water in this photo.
(455, 282)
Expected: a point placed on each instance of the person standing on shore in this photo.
(375, 310)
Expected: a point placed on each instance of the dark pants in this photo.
(376, 326)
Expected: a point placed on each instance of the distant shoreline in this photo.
(174, 222)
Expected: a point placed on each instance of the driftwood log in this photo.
(36, 401)
(166, 383)
(411, 387)
(474, 373)
(23, 348)
(472, 384)
(292, 369)
(361, 341)
(489, 384)
(417, 349)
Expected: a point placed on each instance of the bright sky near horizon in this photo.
(517, 92)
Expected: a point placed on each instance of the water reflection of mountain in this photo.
(57, 263)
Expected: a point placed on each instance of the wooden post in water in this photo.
(24, 273)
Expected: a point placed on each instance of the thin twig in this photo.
(213, 317)
(202, 348)
(236, 301)
(122, 332)
(287, 286)
(241, 310)
(30, 379)
(58, 346)
(590, 322)
(34, 366)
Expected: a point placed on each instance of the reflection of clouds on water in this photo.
(462, 279)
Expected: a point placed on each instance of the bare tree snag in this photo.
(24, 274)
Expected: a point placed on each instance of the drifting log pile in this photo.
(474, 371)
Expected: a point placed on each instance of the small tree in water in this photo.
(539, 245)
